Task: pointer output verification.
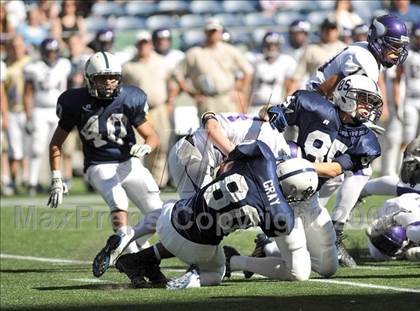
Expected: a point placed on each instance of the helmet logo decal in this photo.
(380, 28)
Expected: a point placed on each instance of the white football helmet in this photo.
(102, 64)
(298, 179)
(356, 91)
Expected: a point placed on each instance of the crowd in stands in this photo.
(216, 55)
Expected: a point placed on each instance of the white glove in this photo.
(139, 150)
(57, 189)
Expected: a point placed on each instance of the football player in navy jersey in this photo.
(336, 140)
(105, 113)
(246, 194)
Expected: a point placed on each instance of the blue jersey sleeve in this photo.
(67, 106)
(136, 102)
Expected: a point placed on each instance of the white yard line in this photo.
(365, 285)
(44, 259)
(87, 280)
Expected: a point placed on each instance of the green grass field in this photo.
(37, 241)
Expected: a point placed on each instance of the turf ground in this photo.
(46, 265)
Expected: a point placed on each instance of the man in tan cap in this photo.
(212, 71)
(148, 71)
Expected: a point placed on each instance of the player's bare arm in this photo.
(216, 135)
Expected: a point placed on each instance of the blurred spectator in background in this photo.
(15, 12)
(48, 16)
(78, 54)
(298, 37)
(14, 85)
(150, 72)
(6, 26)
(162, 43)
(272, 74)
(69, 21)
(103, 41)
(45, 80)
(316, 54)
(212, 70)
(360, 33)
(403, 9)
(346, 36)
(32, 31)
(345, 16)
(4, 119)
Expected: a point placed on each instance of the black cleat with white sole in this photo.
(102, 260)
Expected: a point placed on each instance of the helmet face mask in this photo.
(391, 241)
(359, 96)
(271, 44)
(388, 40)
(103, 76)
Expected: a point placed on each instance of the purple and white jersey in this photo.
(354, 59)
(409, 202)
(268, 81)
(240, 128)
(412, 74)
(48, 81)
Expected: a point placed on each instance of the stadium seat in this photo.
(257, 19)
(107, 9)
(241, 37)
(238, 6)
(173, 7)
(141, 8)
(160, 21)
(303, 6)
(191, 21)
(328, 5)
(95, 23)
(315, 18)
(192, 37)
(230, 20)
(206, 7)
(286, 18)
(129, 23)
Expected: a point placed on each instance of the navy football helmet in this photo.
(388, 34)
(391, 241)
(161, 33)
(271, 43)
(49, 49)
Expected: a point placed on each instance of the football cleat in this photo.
(344, 258)
(113, 249)
(102, 260)
(155, 275)
(132, 267)
(191, 279)
(229, 252)
(261, 240)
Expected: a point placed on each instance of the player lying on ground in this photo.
(105, 113)
(246, 194)
(336, 140)
(409, 180)
(395, 234)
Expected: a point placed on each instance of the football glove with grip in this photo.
(139, 150)
(57, 189)
(276, 118)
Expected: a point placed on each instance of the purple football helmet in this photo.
(388, 33)
(49, 49)
(390, 242)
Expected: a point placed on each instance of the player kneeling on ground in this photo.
(246, 194)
